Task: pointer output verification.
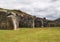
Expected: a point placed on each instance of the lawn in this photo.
(31, 35)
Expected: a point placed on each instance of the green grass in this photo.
(31, 35)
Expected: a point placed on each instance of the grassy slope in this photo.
(31, 35)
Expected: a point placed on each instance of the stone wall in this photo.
(5, 22)
(11, 20)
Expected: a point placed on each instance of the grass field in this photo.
(31, 35)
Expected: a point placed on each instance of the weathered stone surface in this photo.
(17, 19)
(8, 20)
(5, 22)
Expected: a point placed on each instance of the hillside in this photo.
(57, 20)
(15, 11)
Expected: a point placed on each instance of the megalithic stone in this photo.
(42, 23)
(14, 23)
(14, 20)
(34, 21)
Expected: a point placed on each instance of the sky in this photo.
(40, 8)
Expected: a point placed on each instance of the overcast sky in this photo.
(40, 8)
